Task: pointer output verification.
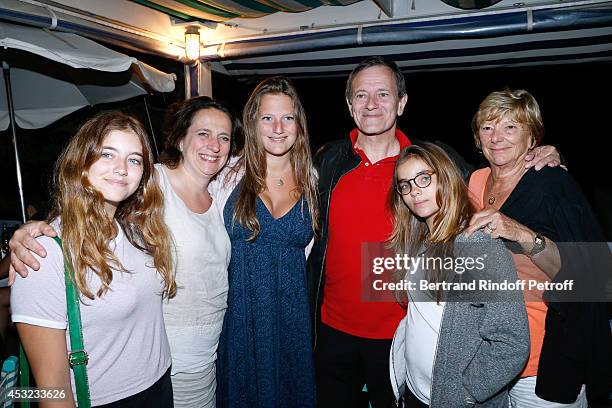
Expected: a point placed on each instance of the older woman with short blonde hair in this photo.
(538, 211)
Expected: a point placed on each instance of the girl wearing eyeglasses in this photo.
(453, 348)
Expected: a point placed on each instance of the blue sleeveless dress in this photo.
(265, 350)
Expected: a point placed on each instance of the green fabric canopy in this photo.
(222, 10)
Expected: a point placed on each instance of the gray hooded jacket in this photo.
(483, 342)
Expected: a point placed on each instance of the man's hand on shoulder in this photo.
(543, 156)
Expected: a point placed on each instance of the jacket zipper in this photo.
(399, 393)
(435, 357)
(316, 331)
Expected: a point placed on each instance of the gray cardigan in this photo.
(483, 343)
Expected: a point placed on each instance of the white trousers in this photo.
(522, 395)
(195, 390)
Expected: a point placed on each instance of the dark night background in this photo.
(574, 98)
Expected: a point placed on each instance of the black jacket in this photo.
(577, 347)
(333, 161)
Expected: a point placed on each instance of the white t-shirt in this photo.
(423, 320)
(123, 331)
(194, 317)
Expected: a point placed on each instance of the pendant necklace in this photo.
(278, 179)
(502, 192)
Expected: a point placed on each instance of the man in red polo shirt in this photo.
(353, 336)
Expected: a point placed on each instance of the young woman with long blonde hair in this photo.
(453, 348)
(265, 352)
(109, 213)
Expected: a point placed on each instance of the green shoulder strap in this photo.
(78, 357)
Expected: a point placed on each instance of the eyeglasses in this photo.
(421, 180)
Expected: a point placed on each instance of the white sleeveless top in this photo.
(194, 317)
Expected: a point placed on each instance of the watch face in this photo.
(471, 4)
(539, 243)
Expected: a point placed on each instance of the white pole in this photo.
(11, 111)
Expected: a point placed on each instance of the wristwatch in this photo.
(539, 243)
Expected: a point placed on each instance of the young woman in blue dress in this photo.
(265, 352)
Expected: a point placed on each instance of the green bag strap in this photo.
(24, 374)
(78, 357)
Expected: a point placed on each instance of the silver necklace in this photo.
(280, 182)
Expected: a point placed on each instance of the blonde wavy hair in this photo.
(519, 104)
(411, 234)
(86, 229)
(253, 158)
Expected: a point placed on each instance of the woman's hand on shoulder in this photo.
(497, 225)
(23, 243)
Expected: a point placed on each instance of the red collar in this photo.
(401, 138)
(399, 135)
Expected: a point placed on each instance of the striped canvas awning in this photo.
(330, 41)
(223, 10)
(517, 38)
